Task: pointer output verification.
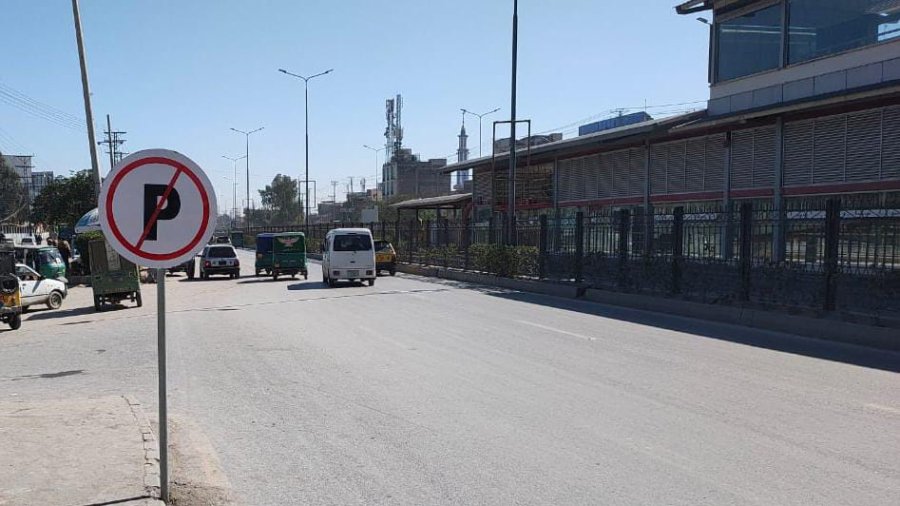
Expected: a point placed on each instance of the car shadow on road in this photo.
(777, 341)
(267, 279)
(65, 313)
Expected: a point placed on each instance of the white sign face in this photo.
(157, 208)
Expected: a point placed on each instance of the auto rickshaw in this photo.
(283, 253)
(10, 296)
(113, 278)
(46, 260)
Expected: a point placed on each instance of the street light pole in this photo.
(511, 183)
(306, 114)
(234, 184)
(376, 150)
(247, 156)
(466, 111)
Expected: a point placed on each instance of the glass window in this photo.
(352, 243)
(221, 252)
(823, 27)
(749, 44)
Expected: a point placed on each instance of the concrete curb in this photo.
(151, 450)
(827, 328)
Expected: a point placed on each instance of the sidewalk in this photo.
(77, 452)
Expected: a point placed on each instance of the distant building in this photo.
(39, 180)
(32, 181)
(329, 211)
(405, 174)
(502, 145)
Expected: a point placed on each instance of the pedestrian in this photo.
(38, 238)
(65, 252)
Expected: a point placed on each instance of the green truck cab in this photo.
(281, 254)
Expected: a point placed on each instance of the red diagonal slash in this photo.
(159, 206)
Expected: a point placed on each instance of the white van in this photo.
(348, 253)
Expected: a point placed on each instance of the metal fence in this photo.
(821, 256)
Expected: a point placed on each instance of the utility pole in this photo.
(88, 110)
(511, 184)
(112, 143)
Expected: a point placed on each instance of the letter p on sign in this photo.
(157, 208)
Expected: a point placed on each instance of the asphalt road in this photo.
(422, 392)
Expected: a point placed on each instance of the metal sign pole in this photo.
(163, 409)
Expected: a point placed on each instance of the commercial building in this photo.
(804, 103)
(408, 176)
(32, 181)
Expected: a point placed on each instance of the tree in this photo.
(65, 200)
(280, 203)
(12, 194)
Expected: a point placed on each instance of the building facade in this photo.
(819, 117)
(408, 176)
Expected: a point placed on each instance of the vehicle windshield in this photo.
(352, 242)
(382, 245)
(221, 252)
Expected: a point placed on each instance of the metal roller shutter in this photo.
(658, 155)
(714, 171)
(864, 145)
(620, 168)
(637, 177)
(742, 159)
(604, 175)
(798, 152)
(829, 150)
(675, 167)
(591, 177)
(890, 143)
(695, 164)
(764, 157)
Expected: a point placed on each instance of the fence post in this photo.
(490, 230)
(832, 246)
(677, 248)
(397, 234)
(542, 248)
(467, 241)
(624, 226)
(427, 233)
(412, 239)
(746, 239)
(579, 246)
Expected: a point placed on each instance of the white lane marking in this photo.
(886, 409)
(551, 329)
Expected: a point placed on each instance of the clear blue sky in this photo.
(177, 74)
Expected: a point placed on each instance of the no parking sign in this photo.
(157, 208)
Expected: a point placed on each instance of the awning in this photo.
(693, 6)
(90, 222)
(455, 201)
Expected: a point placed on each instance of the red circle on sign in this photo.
(179, 167)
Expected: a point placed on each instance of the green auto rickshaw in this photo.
(45, 260)
(283, 253)
(113, 278)
(10, 293)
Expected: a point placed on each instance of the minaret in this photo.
(462, 153)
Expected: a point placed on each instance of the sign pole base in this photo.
(163, 408)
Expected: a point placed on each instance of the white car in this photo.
(36, 289)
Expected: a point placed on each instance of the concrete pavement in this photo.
(420, 391)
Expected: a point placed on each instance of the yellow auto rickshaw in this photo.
(10, 297)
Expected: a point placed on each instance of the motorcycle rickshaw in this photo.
(10, 296)
(283, 253)
(113, 278)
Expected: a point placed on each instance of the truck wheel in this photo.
(372, 282)
(96, 303)
(274, 276)
(393, 272)
(138, 300)
(257, 272)
(15, 322)
(55, 300)
(305, 275)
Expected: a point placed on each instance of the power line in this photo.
(41, 105)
